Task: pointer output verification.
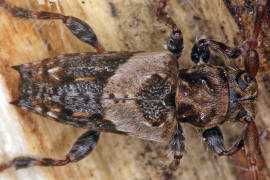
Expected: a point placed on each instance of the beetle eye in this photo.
(247, 79)
(243, 80)
(241, 114)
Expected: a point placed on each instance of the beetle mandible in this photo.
(160, 98)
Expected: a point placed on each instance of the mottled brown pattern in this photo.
(69, 87)
(142, 104)
(158, 96)
(243, 94)
(73, 88)
(129, 83)
(202, 96)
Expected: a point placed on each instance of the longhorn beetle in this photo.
(142, 94)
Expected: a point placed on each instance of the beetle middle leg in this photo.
(250, 141)
(81, 148)
(214, 139)
(177, 147)
(76, 26)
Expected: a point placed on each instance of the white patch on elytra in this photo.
(55, 76)
(38, 109)
(56, 109)
(61, 56)
(83, 53)
(53, 72)
(54, 69)
(36, 62)
(52, 114)
(163, 75)
(40, 71)
(24, 108)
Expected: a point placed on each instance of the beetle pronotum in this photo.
(53, 111)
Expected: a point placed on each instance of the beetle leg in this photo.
(214, 139)
(242, 166)
(76, 26)
(82, 147)
(250, 140)
(261, 11)
(177, 147)
(200, 52)
(251, 144)
(242, 157)
(175, 41)
(251, 61)
(240, 162)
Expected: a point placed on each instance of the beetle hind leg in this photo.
(82, 147)
(77, 27)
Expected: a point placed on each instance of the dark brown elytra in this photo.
(93, 91)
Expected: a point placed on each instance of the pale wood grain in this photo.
(134, 28)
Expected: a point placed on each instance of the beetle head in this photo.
(209, 95)
(243, 94)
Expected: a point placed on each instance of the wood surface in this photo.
(134, 27)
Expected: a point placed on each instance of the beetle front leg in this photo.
(76, 26)
(251, 56)
(175, 41)
(200, 52)
(81, 148)
(177, 147)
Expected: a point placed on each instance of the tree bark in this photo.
(131, 26)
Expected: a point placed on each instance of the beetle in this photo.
(156, 113)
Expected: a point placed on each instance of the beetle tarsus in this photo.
(76, 26)
(200, 53)
(81, 148)
(25, 162)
